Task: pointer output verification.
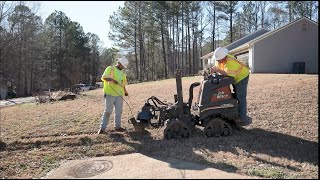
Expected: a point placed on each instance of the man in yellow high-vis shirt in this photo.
(114, 82)
(230, 66)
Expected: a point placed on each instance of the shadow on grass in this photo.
(3, 146)
(147, 144)
(279, 145)
(252, 142)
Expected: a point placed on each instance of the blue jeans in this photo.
(240, 90)
(111, 101)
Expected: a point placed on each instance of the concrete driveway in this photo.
(137, 166)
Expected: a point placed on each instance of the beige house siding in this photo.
(296, 43)
(276, 51)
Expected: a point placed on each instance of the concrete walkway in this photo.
(137, 166)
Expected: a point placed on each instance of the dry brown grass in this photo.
(282, 141)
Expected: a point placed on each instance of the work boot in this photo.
(120, 129)
(101, 131)
(247, 122)
(238, 120)
(249, 119)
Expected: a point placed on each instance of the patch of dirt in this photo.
(282, 141)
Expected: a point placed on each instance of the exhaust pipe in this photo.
(193, 85)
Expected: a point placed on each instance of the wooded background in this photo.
(56, 53)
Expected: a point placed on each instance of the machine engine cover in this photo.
(144, 115)
(216, 99)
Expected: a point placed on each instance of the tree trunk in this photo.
(153, 58)
(193, 45)
(231, 13)
(25, 83)
(262, 13)
(189, 43)
(135, 52)
(173, 48)
(310, 12)
(60, 54)
(140, 44)
(200, 41)
(177, 47)
(164, 51)
(19, 84)
(168, 29)
(31, 78)
(256, 16)
(214, 28)
(148, 58)
(290, 11)
(182, 60)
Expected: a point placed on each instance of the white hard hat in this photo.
(220, 53)
(124, 62)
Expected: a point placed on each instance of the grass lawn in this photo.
(282, 141)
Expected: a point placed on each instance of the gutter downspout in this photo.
(251, 55)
